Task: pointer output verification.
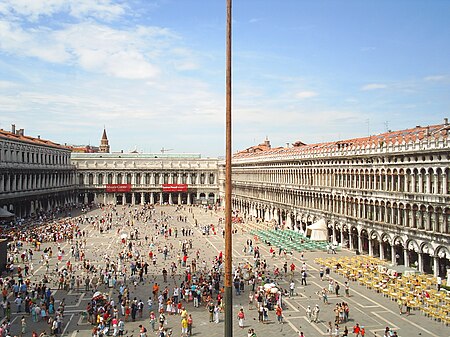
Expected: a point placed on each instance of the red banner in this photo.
(118, 188)
(174, 187)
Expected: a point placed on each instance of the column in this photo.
(420, 261)
(115, 199)
(393, 254)
(142, 198)
(359, 242)
(170, 198)
(406, 256)
(370, 247)
(85, 198)
(152, 198)
(189, 198)
(444, 183)
(420, 183)
(350, 238)
(435, 265)
(133, 198)
(124, 198)
(160, 198)
(152, 178)
(381, 249)
(104, 198)
(179, 198)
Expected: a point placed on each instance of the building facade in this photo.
(35, 174)
(385, 195)
(136, 178)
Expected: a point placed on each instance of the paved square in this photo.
(368, 308)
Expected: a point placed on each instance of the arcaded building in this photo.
(139, 178)
(35, 174)
(385, 195)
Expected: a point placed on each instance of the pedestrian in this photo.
(304, 277)
(184, 327)
(329, 330)
(308, 313)
(211, 311)
(152, 320)
(23, 325)
(190, 322)
(216, 313)
(279, 313)
(241, 318)
(316, 312)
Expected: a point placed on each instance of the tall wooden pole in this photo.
(228, 184)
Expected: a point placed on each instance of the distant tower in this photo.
(104, 144)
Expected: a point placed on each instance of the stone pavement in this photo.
(367, 308)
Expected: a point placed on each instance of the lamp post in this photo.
(228, 184)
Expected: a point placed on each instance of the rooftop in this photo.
(117, 155)
(392, 137)
(19, 136)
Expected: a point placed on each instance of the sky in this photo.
(153, 72)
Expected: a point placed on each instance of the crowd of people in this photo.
(156, 272)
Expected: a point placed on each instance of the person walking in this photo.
(304, 277)
(184, 327)
(216, 313)
(241, 318)
(308, 313)
(211, 311)
(291, 288)
(190, 322)
(316, 312)
(279, 313)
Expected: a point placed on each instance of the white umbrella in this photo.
(274, 290)
(124, 236)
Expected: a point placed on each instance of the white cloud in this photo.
(435, 78)
(254, 20)
(130, 54)
(7, 84)
(36, 9)
(373, 86)
(306, 94)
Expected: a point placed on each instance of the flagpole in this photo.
(228, 297)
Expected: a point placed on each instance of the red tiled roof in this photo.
(392, 137)
(31, 140)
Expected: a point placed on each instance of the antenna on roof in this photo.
(386, 124)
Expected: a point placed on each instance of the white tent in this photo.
(5, 214)
(318, 231)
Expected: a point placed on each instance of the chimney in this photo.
(446, 121)
(267, 142)
(13, 128)
(39, 136)
(20, 132)
(287, 145)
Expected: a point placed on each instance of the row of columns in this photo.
(172, 178)
(152, 197)
(25, 182)
(415, 182)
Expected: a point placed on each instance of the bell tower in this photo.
(104, 143)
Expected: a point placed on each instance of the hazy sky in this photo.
(153, 72)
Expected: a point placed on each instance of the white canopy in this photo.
(5, 214)
(318, 231)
